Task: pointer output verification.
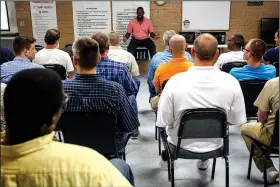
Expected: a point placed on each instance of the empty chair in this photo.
(198, 123)
(95, 130)
(228, 66)
(58, 69)
(276, 65)
(271, 151)
(251, 90)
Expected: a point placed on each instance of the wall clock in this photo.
(160, 3)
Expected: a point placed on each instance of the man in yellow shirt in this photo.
(33, 101)
(178, 64)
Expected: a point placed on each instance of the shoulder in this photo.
(270, 67)
(236, 70)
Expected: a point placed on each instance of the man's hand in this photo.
(125, 37)
(154, 36)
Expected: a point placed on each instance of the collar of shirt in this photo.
(261, 66)
(27, 147)
(104, 58)
(136, 21)
(202, 68)
(115, 47)
(18, 58)
(86, 76)
(178, 60)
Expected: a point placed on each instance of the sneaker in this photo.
(135, 135)
(272, 176)
(203, 165)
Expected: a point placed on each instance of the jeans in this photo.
(124, 169)
(151, 90)
(133, 102)
(137, 82)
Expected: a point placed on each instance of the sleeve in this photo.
(218, 63)
(69, 64)
(129, 27)
(150, 27)
(128, 120)
(264, 98)
(128, 83)
(267, 55)
(165, 113)
(156, 78)
(134, 66)
(237, 112)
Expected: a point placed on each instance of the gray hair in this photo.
(167, 36)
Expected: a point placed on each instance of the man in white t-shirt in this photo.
(202, 86)
(118, 54)
(52, 55)
(235, 44)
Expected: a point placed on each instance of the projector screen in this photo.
(4, 17)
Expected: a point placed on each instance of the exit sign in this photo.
(255, 3)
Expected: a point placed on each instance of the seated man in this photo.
(253, 52)
(24, 48)
(268, 104)
(272, 55)
(29, 156)
(178, 64)
(161, 58)
(115, 71)
(6, 55)
(88, 92)
(118, 54)
(52, 55)
(235, 44)
(202, 86)
(141, 29)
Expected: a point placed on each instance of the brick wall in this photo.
(243, 19)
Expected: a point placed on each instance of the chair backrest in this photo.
(58, 69)
(203, 123)
(228, 66)
(276, 65)
(96, 130)
(164, 83)
(68, 46)
(275, 135)
(38, 47)
(251, 90)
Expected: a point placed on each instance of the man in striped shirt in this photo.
(89, 92)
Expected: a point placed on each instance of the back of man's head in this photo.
(21, 43)
(257, 48)
(86, 52)
(102, 40)
(167, 36)
(114, 38)
(52, 36)
(238, 40)
(205, 47)
(177, 46)
(31, 99)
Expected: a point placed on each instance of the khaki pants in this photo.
(154, 102)
(253, 130)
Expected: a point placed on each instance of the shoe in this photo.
(272, 176)
(203, 165)
(135, 135)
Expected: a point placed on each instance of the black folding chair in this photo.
(198, 123)
(38, 47)
(228, 66)
(95, 130)
(271, 151)
(58, 69)
(251, 90)
(68, 45)
(276, 65)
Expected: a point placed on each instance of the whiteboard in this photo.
(4, 17)
(205, 15)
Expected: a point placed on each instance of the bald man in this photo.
(179, 63)
(202, 86)
(118, 54)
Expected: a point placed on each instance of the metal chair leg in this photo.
(168, 167)
(264, 172)
(159, 143)
(250, 161)
(213, 169)
(124, 156)
(156, 132)
(227, 171)
(172, 174)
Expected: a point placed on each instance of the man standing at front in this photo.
(141, 29)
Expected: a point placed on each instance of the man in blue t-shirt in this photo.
(253, 53)
(272, 55)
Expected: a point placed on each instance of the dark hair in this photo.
(20, 43)
(140, 8)
(239, 40)
(86, 51)
(31, 99)
(51, 36)
(102, 39)
(205, 46)
(257, 48)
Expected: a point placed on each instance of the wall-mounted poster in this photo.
(90, 17)
(43, 15)
(123, 12)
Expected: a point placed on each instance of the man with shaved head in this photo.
(178, 64)
(202, 86)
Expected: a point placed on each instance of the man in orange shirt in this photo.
(141, 28)
(178, 64)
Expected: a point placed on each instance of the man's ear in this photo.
(186, 47)
(107, 47)
(75, 61)
(98, 58)
(192, 52)
(216, 55)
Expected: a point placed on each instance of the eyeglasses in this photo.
(249, 51)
